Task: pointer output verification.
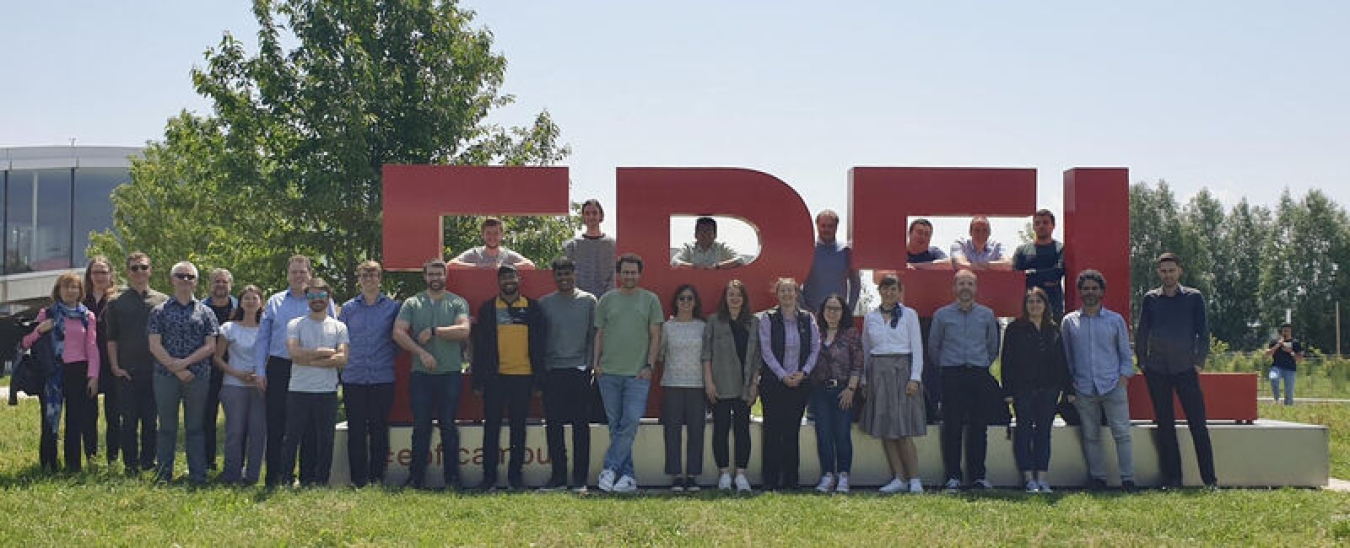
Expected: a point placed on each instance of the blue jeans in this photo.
(1115, 405)
(1288, 377)
(625, 401)
(1035, 411)
(834, 427)
(434, 395)
(169, 391)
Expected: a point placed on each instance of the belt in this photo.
(833, 383)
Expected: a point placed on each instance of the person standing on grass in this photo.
(100, 287)
(182, 335)
(569, 314)
(1285, 353)
(368, 378)
(893, 410)
(318, 346)
(222, 303)
(74, 339)
(792, 342)
(627, 339)
(1097, 348)
(1172, 342)
(834, 383)
(241, 391)
(132, 365)
(683, 401)
(730, 380)
(965, 342)
(1035, 372)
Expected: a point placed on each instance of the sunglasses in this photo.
(317, 296)
(185, 276)
(139, 267)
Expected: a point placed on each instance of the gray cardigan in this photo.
(732, 378)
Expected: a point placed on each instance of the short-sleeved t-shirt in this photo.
(126, 319)
(933, 254)
(241, 341)
(513, 337)
(421, 312)
(311, 334)
(626, 320)
(1281, 358)
(478, 256)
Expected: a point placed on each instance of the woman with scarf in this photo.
(74, 339)
(893, 409)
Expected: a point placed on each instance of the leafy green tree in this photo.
(1311, 240)
(1155, 227)
(1237, 278)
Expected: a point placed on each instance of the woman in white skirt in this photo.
(893, 409)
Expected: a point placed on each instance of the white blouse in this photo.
(879, 338)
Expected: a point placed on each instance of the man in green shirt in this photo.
(432, 326)
(627, 339)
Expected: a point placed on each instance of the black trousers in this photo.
(113, 428)
(368, 407)
(510, 393)
(310, 417)
(731, 415)
(567, 398)
(136, 409)
(211, 414)
(783, 410)
(963, 399)
(1186, 386)
(77, 410)
(278, 386)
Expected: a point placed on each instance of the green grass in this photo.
(1334, 415)
(101, 507)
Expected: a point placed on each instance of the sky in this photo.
(1242, 98)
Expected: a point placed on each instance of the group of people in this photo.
(275, 364)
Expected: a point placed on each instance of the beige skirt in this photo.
(887, 412)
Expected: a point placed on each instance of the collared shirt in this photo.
(1098, 349)
(716, 253)
(965, 247)
(964, 337)
(282, 307)
(831, 272)
(1173, 332)
(125, 320)
(478, 256)
(594, 258)
(422, 312)
(183, 328)
(370, 327)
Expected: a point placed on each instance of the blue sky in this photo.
(1244, 98)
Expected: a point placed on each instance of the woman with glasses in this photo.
(833, 386)
(100, 287)
(683, 408)
(893, 409)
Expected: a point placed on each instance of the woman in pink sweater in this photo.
(74, 336)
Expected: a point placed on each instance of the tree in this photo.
(1237, 279)
(303, 127)
(1155, 227)
(1311, 241)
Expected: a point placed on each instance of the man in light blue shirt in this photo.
(979, 252)
(1097, 344)
(965, 341)
(368, 379)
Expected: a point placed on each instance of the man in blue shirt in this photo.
(182, 337)
(368, 379)
(832, 269)
(1097, 344)
(965, 342)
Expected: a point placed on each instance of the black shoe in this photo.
(1096, 484)
(1212, 486)
(516, 484)
(1128, 486)
(555, 483)
(487, 485)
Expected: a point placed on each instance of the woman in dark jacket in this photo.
(100, 286)
(1035, 371)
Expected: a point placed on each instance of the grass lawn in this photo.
(102, 507)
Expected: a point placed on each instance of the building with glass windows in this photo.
(51, 198)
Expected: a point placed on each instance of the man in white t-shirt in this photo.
(318, 347)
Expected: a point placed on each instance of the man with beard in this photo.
(318, 347)
(1097, 345)
(492, 253)
(1043, 260)
(569, 314)
(965, 342)
(508, 367)
(433, 326)
(221, 303)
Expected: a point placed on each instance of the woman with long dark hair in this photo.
(833, 386)
(730, 380)
(1035, 372)
(241, 391)
(100, 286)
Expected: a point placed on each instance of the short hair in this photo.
(920, 221)
(369, 266)
(705, 221)
(68, 278)
(136, 256)
(1090, 275)
(89, 280)
(628, 258)
(890, 280)
(238, 313)
(298, 258)
(435, 262)
(964, 273)
(316, 283)
(845, 321)
(181, 264)
(490, 222)
(564, 263)
(1286, 325)
(786, 280)
(593, 202)
(724, 311)
(507, 268)
(218, 271)
(698, 301)
(828, 213)
(977, 219)
(1169, 256)
(1045, 213)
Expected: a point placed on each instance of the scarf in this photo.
(895, 314)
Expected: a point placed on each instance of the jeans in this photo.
(567, 397)
(368, 407)
(783, 410)
(136, 408)
(625, 403)
(309, 416)
(509, 393)
(1116, 406)
(963, 402)
(245, 433)
(731, 414)
(1186, 385)
(169, 392)
(1288, 376)
(834, 430)
(684, 409)
(438, 396)
(1035, 421)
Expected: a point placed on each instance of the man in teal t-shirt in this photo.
(627, 338)
(432, 326)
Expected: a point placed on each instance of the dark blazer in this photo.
(484, 335)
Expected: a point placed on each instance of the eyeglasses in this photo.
(317, 296)
(99, 272)
(139, 267)
(685, 298)
(185, 276)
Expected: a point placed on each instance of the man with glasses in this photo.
(317, 344)
(433, 326)
(182, 336)
(271, 349)
(1097, 344)
(131, 363)
(221, 303)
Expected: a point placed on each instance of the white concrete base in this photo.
(1268, 453)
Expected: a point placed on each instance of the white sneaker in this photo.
(724, 482)
(982, 485)
(625, 484)
(841, 486)
(1045, 487)
(742, 484)
(915, 486)
(893, 487)
(1033, 486)
(606, 481)
(953, 485)
(826, 483)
